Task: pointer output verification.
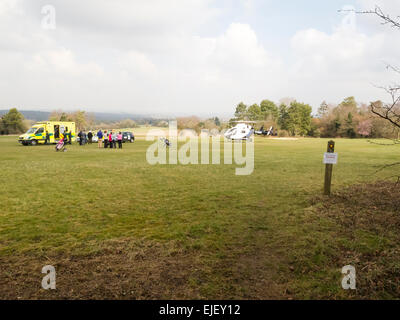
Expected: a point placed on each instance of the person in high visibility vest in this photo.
(67, 136)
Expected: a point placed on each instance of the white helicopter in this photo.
(242, 131)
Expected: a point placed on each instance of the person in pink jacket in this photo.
(110, 141)
(119, 138)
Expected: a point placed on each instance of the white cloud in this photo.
(149, 17)
(63, 62)
(165, 56)
(137, 63)
(239, 47)
(7, 6)
(343, 51)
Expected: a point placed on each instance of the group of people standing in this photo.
(109, 139)
(85, 138)
(106, 139)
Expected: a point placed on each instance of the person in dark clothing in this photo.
(47, 137)
(80, 135)
(65, 134)
(90, 137)
(105, 138)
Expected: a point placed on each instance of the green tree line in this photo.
(348, 119)
(12, 123)
(293, 119)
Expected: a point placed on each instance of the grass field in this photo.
(116, 227)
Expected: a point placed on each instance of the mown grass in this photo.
(261, 226)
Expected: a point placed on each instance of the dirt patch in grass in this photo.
(366, 220)
(122, 270)
(128, 269)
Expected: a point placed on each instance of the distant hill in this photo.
(99, 116)
(113, 117)
(31, 115)
(102, 116)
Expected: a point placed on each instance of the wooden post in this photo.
(328, 170)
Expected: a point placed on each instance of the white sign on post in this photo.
(330, 158)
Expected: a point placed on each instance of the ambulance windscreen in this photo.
(31, 130)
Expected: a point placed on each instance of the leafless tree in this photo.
(389, 111)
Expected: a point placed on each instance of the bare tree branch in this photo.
(385, 17)
(395, 23)
(393, 68)
(390, 111)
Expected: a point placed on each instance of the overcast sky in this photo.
(191, 56)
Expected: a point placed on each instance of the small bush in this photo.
(283, 133)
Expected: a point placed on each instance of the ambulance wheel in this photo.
(33, 142)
